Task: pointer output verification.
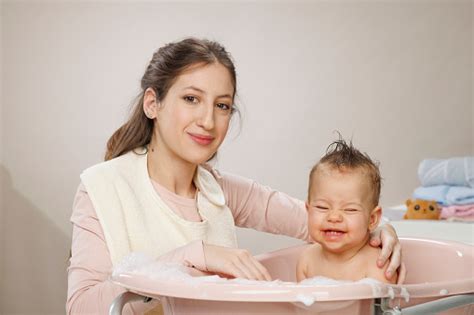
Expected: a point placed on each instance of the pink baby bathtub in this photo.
(440, 277)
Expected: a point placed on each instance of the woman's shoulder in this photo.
(225, 176)
(121, 162)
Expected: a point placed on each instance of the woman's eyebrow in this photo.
(194, 88)
(191, 87)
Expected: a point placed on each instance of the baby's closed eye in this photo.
(351, 210)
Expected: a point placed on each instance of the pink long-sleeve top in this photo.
(90, 290)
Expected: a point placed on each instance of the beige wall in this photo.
(2, 204)
(394, 75)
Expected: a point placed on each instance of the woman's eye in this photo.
(223, 106)
(190, 99)
(417, 207)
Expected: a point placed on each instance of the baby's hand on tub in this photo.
(238, 263)
(386, 237)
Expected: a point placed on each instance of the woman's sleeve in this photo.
(263, 208)
(90, 290)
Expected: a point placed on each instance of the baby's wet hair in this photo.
(341, 156)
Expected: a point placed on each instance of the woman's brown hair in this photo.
(162, 71)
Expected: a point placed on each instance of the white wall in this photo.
(394, 75)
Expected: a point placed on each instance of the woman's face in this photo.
(194, 116)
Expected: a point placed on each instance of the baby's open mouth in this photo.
(331, 232)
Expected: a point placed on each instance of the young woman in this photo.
(156, 194)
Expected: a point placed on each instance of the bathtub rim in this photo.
(292, 292)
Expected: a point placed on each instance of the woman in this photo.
(156, 194)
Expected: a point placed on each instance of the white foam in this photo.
(307, 300)
(443, 292)
(391, 293)
(375, 285)
(131, 263)
(141, 264)
(404, 294)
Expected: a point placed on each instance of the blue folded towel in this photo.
(455, 172)
(460, 195)
(446, 195)
(437, 193)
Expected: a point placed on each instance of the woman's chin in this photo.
(199, 159)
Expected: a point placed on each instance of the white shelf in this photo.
(394, 213)
(434, 229)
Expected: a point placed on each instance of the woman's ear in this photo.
(374, 218)
(150, 106)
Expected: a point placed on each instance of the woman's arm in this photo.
(262, 208)
(90, 290)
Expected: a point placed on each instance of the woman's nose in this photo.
(206, 117)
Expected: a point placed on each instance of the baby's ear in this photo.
(306, 205)
(374, 219)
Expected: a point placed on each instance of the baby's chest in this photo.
(353, 271)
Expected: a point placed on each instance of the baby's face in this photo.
(339, 208)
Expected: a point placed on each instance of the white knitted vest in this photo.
(135, 218)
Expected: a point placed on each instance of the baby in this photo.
(343, 197)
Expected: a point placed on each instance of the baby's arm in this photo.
(373, 271)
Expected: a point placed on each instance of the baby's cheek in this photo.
(314, 220)
(359, 227)
(314, 223)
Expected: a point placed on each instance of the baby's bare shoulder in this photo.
(313, 249)
(371, 252)
(373, 271)
(310, 253)
(308, 262)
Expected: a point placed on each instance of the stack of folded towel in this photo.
(451, 183)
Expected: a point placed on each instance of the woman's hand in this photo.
(238, 263)
(386, 237)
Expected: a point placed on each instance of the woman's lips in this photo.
(201, 139)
